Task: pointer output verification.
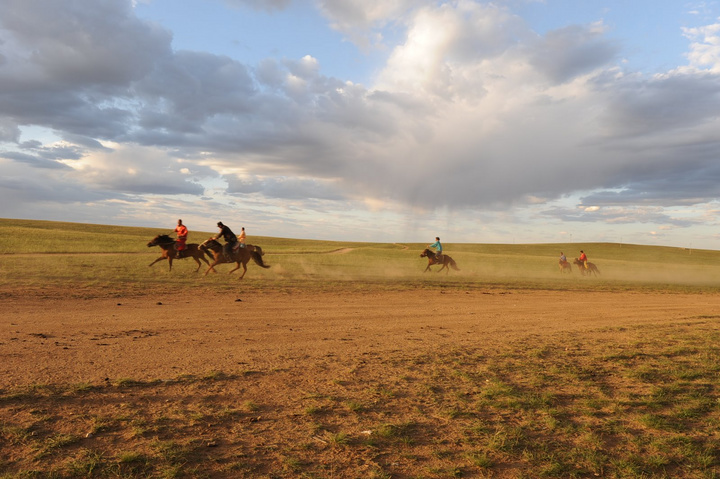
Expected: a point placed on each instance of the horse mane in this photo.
(209, 243)
(163, 239)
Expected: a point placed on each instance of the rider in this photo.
(241, 238)
(438, 248)
(229, 237)
(583, 259)
(563, 258)
(182, 233)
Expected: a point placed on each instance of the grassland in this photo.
(628, 400)
(37, 253)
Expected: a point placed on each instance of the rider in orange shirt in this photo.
(182, 233)
(241, 238)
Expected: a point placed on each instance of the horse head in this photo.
(425, 253)
(160, 239)
(210, 244)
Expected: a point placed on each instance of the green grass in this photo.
(83, 257)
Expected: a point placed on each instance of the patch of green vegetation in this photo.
(42, 253)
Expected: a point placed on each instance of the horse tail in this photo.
(454, 265)
(257, 257)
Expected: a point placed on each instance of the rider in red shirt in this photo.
(182, 233)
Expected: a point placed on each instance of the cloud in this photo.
(572, 51)
(267, 5)
(620, 215)
(24, 186)
(32, 160)
(284, 188)
(704, 51)
(9, 131)
(186, 89)
(362, 21)
(98, 43)
(676, 101)
(68, 65)
(136, 170)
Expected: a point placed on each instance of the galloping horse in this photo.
(591, 268)
(241, 256)
(446, 261)
(565, 266)
(167, 244)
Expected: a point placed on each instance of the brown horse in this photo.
(565, 266)
(167, 244)
(446, 261)
(591, 268)
(241, 256)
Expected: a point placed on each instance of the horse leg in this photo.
(428, 268)
(237, 267)
(202, 257)
(244, 265)
(212, 267)
(159, 259)
(444, 266)
(198, 263)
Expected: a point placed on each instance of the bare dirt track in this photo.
(374, 384)
(55, 340)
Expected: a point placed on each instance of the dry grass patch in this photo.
(636, 402)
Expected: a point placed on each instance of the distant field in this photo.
(34, 253)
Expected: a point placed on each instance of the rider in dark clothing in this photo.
(229, 237)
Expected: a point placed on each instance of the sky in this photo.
(511, 121)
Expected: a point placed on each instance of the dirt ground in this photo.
(53, 340)
(329, 384)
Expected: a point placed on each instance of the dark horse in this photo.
(446, 261)
(241, 256)
(565, 265)
(591, 268)
(167, 244)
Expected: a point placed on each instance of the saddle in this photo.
(179, 253)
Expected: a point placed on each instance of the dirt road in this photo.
(49, 341)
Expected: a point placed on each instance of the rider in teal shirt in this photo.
(438, 248)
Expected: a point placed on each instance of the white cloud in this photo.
(704, 51)
(267, 5)
(361, 20)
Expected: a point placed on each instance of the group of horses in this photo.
(590, 270)
(210, 247)
(242, 256)
(447, 262)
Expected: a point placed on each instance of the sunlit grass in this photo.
(39, 254)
